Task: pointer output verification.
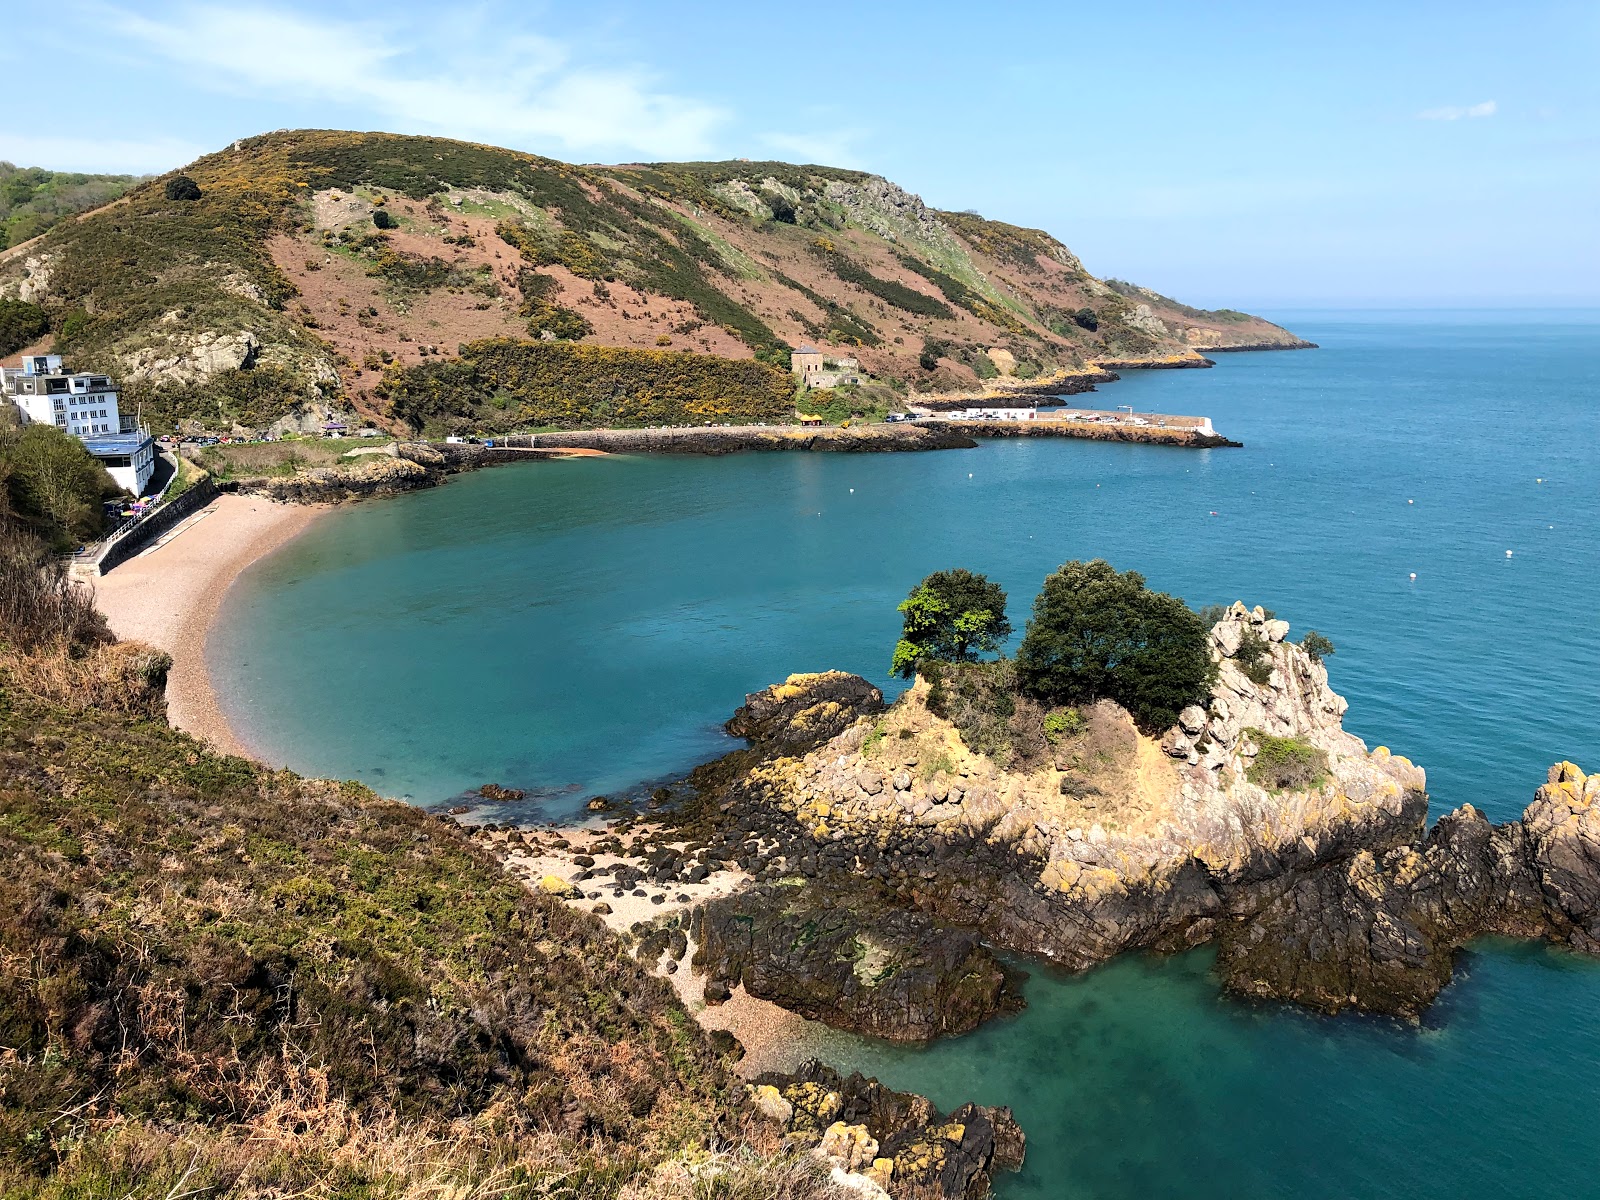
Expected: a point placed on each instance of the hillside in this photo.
(230, 981)
(315, 268)
(33, 199)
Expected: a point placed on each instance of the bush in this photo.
(1286, 764)
(20, 325)
(1097, 634)
(1316, 645)
(181, 187)
(1085, 318)
(1254, 657)
(951, 616)
(577, 386)
(384, 219)
(52, 485)
(932, 351)
(39, 606)
(1063, 723)
(979, 699)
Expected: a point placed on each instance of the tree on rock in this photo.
(1097, 634)
(951, 616)
(181, 187)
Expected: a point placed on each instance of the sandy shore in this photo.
(774, 1039)
(169, 595)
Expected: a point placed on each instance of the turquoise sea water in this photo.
(586, 626)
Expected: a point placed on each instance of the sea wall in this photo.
(1190, 438)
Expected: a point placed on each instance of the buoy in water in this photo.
(1410, 501)
(1413, 575)
(1508, 554)
(852, 491)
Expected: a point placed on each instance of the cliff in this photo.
(317, 270)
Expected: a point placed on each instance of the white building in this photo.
(85, 406)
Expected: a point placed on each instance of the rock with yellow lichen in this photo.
(879, 1141)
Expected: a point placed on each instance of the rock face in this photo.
(1380, 931)
(881, 1141)
(847, 959)
(804, 711)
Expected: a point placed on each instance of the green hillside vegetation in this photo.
(50, 486)
(227, 980)
(21, 324)
(500, 385)
(33, 199)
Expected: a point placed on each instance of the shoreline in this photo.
(169, 597)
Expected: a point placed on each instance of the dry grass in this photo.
(39, 604)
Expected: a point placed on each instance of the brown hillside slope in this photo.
(314, 261)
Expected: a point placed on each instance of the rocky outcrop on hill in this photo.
(406, 467)
(881, 1142)
(844, 957)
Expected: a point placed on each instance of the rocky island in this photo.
(890, 852)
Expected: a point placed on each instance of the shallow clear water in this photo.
(587, 625)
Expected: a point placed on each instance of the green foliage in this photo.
(951, 616)
(1099, 634)
(52, 485)
(839, 325)
(1318, 646)
(1012, 245)
(1286, 764)
(932, 351)
(33, 199)
(254, 398)
(21, 324)
(979, 699)
(544, 315)
(1142, 295)
(382, 218)
(898, 294)
(1063, 723)
(1086, 318)
(566, 386)
(1254, 657)
(181, 187)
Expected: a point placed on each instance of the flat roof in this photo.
(106, 445)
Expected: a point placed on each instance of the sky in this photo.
(1250, 155)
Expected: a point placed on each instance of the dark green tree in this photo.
(1097, 634)
(932, 351)
(1319, 646)
(951, 616)
(20, 324)
(52, 483)
(384, 219)
(181, 187)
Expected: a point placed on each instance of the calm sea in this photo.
(585, 626)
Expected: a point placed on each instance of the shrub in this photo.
(51, 484)
(1097, 634)
(1085, 318)
(932, 351)
(951, 616)
(384, 219)
(1254, 657)
(1317, 645)
(575, 386)
(181, 187)
(21, 323)
(1063, 722)
(979, 699)
(1286, 764)
(39, 606)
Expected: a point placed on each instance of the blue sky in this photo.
(1230, 153)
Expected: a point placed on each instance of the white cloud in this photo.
(835, 148)
(1456, 112)
(115, 156)
(469, 81)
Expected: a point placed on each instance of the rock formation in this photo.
(880, 1141)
